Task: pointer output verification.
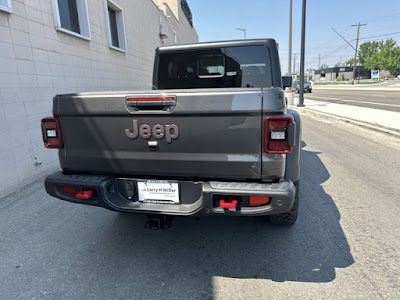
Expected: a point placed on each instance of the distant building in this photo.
(343, 73)
(50, 47)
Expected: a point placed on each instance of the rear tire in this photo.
(290, 217)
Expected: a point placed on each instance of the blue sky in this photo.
(218, 19)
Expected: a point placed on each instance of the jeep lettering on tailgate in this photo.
(171, 132)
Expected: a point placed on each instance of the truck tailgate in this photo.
(204, 134)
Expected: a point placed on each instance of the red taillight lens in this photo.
(84, 195)
(278, 124)
(69, 189)
(228, 203)
(258, 200)
(278, 134)
(51, 132)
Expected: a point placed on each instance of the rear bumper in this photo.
(196, 198)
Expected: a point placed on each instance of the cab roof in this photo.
(219, 44)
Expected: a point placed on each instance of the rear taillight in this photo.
(258, 200)
(69, 189)
(279, 134)
(51, 132)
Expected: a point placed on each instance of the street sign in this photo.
(375, 74)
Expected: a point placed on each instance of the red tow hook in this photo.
(230, 203)
(84, 195)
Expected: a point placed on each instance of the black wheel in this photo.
(310, 91)
(290, 217)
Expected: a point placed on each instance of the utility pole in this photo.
(290, 38)
(302, 54)
(294, 62)
(319, 61)
(356, 49)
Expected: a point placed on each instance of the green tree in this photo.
(324, 66)
(390, 59)
(386, 57)
(374, 62)
(367, 49)
(350, 62)
(338, 64)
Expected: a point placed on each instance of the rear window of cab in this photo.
(244, 66)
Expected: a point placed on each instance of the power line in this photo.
(343, 38)
(333, 51)
(323, 45)
(377, 36)
(345, 46)
(375, 39)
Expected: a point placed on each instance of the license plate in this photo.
(157, 191)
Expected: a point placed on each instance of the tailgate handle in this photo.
(151, 102)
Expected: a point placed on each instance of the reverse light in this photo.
(279, 134)
(51, 133)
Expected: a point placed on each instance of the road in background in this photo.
(345, 245)
(385, 100)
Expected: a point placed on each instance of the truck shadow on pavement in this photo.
(184, 259)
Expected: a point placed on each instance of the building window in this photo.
(71, 16)
(187, 12)
(6, 5)
(115, 26)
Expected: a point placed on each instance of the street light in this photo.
(242, 29)
(290, 38)
(302, 53)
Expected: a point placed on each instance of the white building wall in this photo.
(38, 62)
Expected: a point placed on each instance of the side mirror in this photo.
(286, 81)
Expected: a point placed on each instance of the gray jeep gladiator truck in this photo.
(213, 137)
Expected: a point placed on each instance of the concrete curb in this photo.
(371, 126)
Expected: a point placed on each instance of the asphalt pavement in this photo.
(346, 244)
(384, 100)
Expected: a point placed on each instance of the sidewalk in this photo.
(381, 120)
(390, 86)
